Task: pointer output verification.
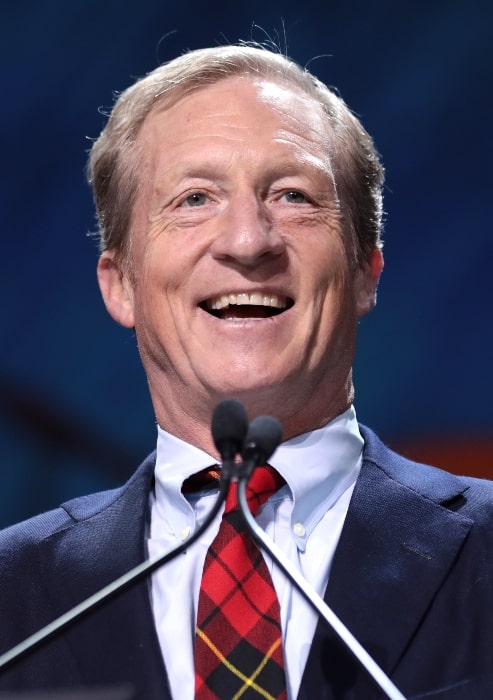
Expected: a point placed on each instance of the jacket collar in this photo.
(118, 639)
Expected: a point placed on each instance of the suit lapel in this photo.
(396, 547)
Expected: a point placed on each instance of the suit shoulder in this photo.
(18, 539)
(471, 496)
(33, 531)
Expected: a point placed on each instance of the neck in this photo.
(191, 421)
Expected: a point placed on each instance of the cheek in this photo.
(334, 294)
(327, 268)
(159, 270)
(162, 297)
(171, 254)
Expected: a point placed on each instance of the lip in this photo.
(242, 323)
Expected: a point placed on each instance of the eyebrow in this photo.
(206, 170)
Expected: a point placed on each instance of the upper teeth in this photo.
(254, 299)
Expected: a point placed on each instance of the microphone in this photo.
(229, 427)
(263, 437)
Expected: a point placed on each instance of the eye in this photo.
(295, 197)
(195, 199)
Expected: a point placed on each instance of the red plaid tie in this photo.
(238, 645)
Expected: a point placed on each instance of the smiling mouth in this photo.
(247, 305)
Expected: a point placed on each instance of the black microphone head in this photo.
(229, 426)
(264, 435)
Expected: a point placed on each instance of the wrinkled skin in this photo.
(238, 197)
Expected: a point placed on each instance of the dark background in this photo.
(74, 411)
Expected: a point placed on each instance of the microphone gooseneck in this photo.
(229, 427)
(263, 437)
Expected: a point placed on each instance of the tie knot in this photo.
(264, 482)
(206, 478)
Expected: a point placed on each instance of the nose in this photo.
(246, 234)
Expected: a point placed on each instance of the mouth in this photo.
(249, 305)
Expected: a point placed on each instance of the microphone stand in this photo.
(120, 584)
(310, 594)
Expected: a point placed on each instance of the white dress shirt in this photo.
(304, 518)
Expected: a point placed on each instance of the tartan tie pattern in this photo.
(238, 644)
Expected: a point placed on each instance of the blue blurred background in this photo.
(74, 410)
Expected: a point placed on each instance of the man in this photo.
(239, 204)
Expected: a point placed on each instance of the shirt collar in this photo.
(318, 467)
(176, 460)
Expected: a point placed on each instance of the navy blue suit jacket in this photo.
(412, 578)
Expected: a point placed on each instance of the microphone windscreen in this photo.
(229, 427)
(264, 435)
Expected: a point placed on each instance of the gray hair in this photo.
(113, 166)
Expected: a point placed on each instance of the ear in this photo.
(366, 283)
(116, 289)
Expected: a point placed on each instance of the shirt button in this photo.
(299, 530)
(185, 533)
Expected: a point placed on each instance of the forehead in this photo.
(238, 109)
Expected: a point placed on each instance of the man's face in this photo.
(240, 279)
